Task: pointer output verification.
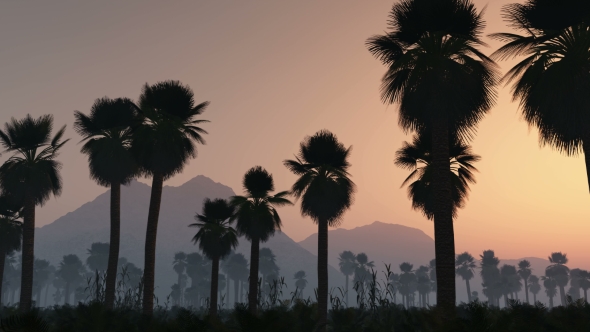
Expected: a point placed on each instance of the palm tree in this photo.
(406, 279)
(559, 272)
(534, 287)
(552, 81)
(422, 284)
(179, 266)
(30, 176)
(490, 273)
(585, 283)
(162, 144)
(576, 276)
(300, 283)
(347, 264)
(41, 275)
(10, 235)
(224, 267)
(509, 280)
(326, 192)
(71, 270)
(550, 285)
(257, 219)
(195, 269)
(267, 265)
(432, 268)
(524, 271)
(107, 136)
(417, 157)
(98, 256)
(442, 84)
(216, 238)
(465, 267)
(238, 271)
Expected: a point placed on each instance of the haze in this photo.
(274, 73)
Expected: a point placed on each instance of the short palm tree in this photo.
(71, 270)
(417, 157)
(422, 284)
(407, 279)
(10, 234)
(30, 176)
(552, 80)
(162, 144)
(465, 267)
(216, 238)
(179, 266)
(524, 271)
(106, 133)
(509, 281)
(585, 283)
(238, 272)
(442, 84)
(490, 273)
(98, 256)
(257, 219)
(550, 285)
(559, 272)
(300, 282)
(326, 192)
(347, 264)
(534, 286)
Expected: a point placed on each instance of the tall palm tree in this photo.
(300, 282)
(10, 234)
(98, 256)
(347, 264)
(525, 271)
(552, 80)
(106, 133)
(30, 176)
(465, 267)
(559, 272)
(71, 270)
(534, 286)
(550, 285)
(179, 266)
(326, 192)
(216, 238)
(162, 144)
(442, 84)
(257, 219)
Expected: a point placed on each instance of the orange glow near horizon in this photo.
(275, 73)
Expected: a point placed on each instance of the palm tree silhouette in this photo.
(41, 273)
(196, 270)
(257, 219)
(490, 274)
(98, 256)
(30, 176)
(509, 280)
(550, 285)
(534, 286)
(417, 157)
(179, 266)
(551, 83)
(267, 265)
(422, 284)
(216, 238)
(576, 275)
(107, 136)
(559, 272)
(524, 271)
(224, 267)
(300, 283)
(584, 282)
(443, 84)
(162, 144)
(326, 192)
(465, 268)
(406, 279)
(10, 235)
(71, 271)
(347, 264)
(238, 272)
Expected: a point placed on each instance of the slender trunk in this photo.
(550, 302)
(179, 288)
(516, 295)
(526, 291)
(444, 238)
(67, 294)
(214, 286)
(535, 297)
(46, 294)
(241, 291)
(227, 290)
(586, 295)
(468, 290)
(28, 254)
(2, 260)
(253, 282)
(150, 244)
(562, 295)
(322, 275)
(111, 279)
(347, 304)
(505, 300)
(236, 289)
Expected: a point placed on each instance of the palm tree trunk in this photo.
(179, 288)
(113, 245)
(2, 260)
(535, 297)
(150, 244)
(551, 302)
(28, 254)
(347, 304)
(468, 290)
(586, 295)
(67, 294)
(253, 282)
(322, 275)
(236, 290)
(562, 295)
(46, 293)
(227, 289)
(214, 286)
(526, 291)
(444, 237)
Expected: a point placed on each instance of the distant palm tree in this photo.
(10, 235)
(71, 270)
(41, 275)
(552, 80)
(179, 266)
(524, 271)
(576, 275)
(98, 256)
(300, 283)
(107, 136)
(216, 238)
(347, 264)
(490, 274)
(422, 284)
(326, 192)
(432, 268)
(30, 176)
(257, 219)
(162, 144)
(268, 264)
(196, 270)
(510, 281)
(559, 272)
(465, 268)
(585, 283)
(406, 279)
(224, 267)
(534, 286)
(417, 157)
(444, 84)
(550, 285)
(238, 272)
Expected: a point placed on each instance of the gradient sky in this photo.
(276, 71)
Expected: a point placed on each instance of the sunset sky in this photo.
(274, 72)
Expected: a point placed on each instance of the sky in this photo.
(276, 72)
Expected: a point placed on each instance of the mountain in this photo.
(77, 230)
(394, 244)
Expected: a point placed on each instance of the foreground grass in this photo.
(477, 317)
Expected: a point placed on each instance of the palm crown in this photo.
(216, 238)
